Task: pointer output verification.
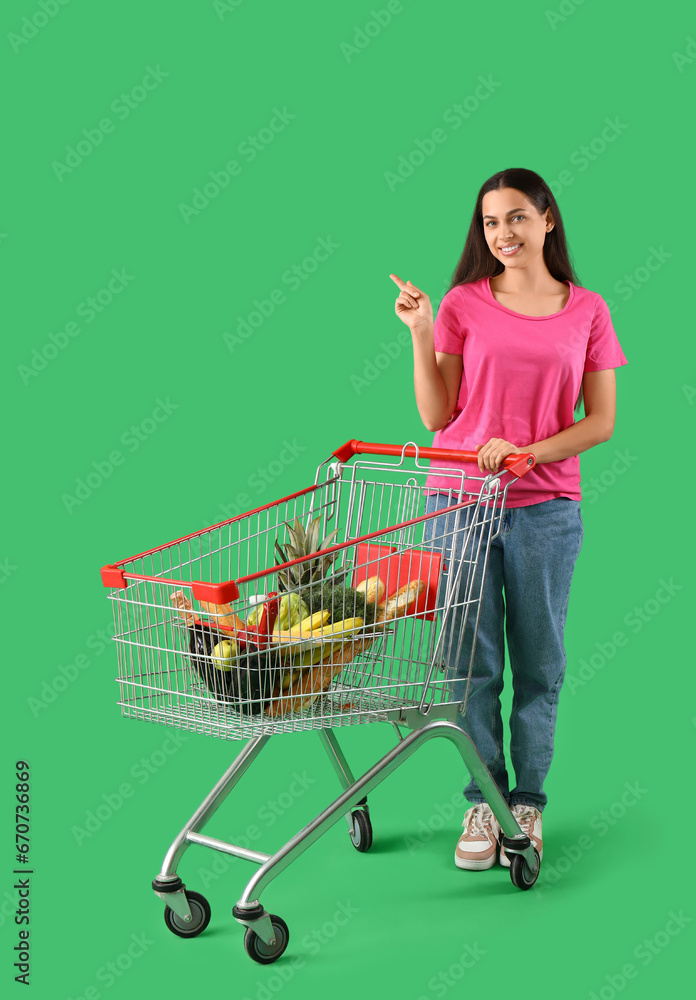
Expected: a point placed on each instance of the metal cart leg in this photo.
(168, 886)
(358, 819)
(261, 925)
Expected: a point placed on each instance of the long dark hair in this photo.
(478, 262)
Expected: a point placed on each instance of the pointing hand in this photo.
(412, 306)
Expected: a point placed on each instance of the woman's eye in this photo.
(492, 223)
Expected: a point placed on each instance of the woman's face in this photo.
(509, 220)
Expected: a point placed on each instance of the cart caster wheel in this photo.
(261, 952)
(200, 917)
(520, 874)
(361, 834)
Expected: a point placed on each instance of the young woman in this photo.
(516, 345)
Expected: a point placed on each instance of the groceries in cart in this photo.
(305, 688)
(293, 642)
(215, 657)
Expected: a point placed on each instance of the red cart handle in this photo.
(517, 464)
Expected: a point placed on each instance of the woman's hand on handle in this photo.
(412, 306)
(492, 454)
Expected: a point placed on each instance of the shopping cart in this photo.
(206, 642)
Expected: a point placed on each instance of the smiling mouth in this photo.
(510, 248)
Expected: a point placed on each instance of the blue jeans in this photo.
(525, 596)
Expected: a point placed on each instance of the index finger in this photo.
(403, 286)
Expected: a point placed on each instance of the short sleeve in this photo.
(448, 336)
(603, 347)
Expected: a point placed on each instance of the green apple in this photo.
(224, 653)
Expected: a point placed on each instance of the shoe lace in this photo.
(526, 817)
(479, 819)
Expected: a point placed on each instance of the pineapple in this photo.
(309, 577)
(312, 571)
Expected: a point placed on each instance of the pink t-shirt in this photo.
(521, 378)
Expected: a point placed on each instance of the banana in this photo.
(303, 629)
(337, 628)
(290, 677)
(314, 655)
(310, 652)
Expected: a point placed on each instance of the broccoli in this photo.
(341, 601)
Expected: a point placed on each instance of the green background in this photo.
(559, 72)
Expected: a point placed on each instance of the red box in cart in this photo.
(397, 568)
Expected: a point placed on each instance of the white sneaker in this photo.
(477, 847)
(529, 821)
